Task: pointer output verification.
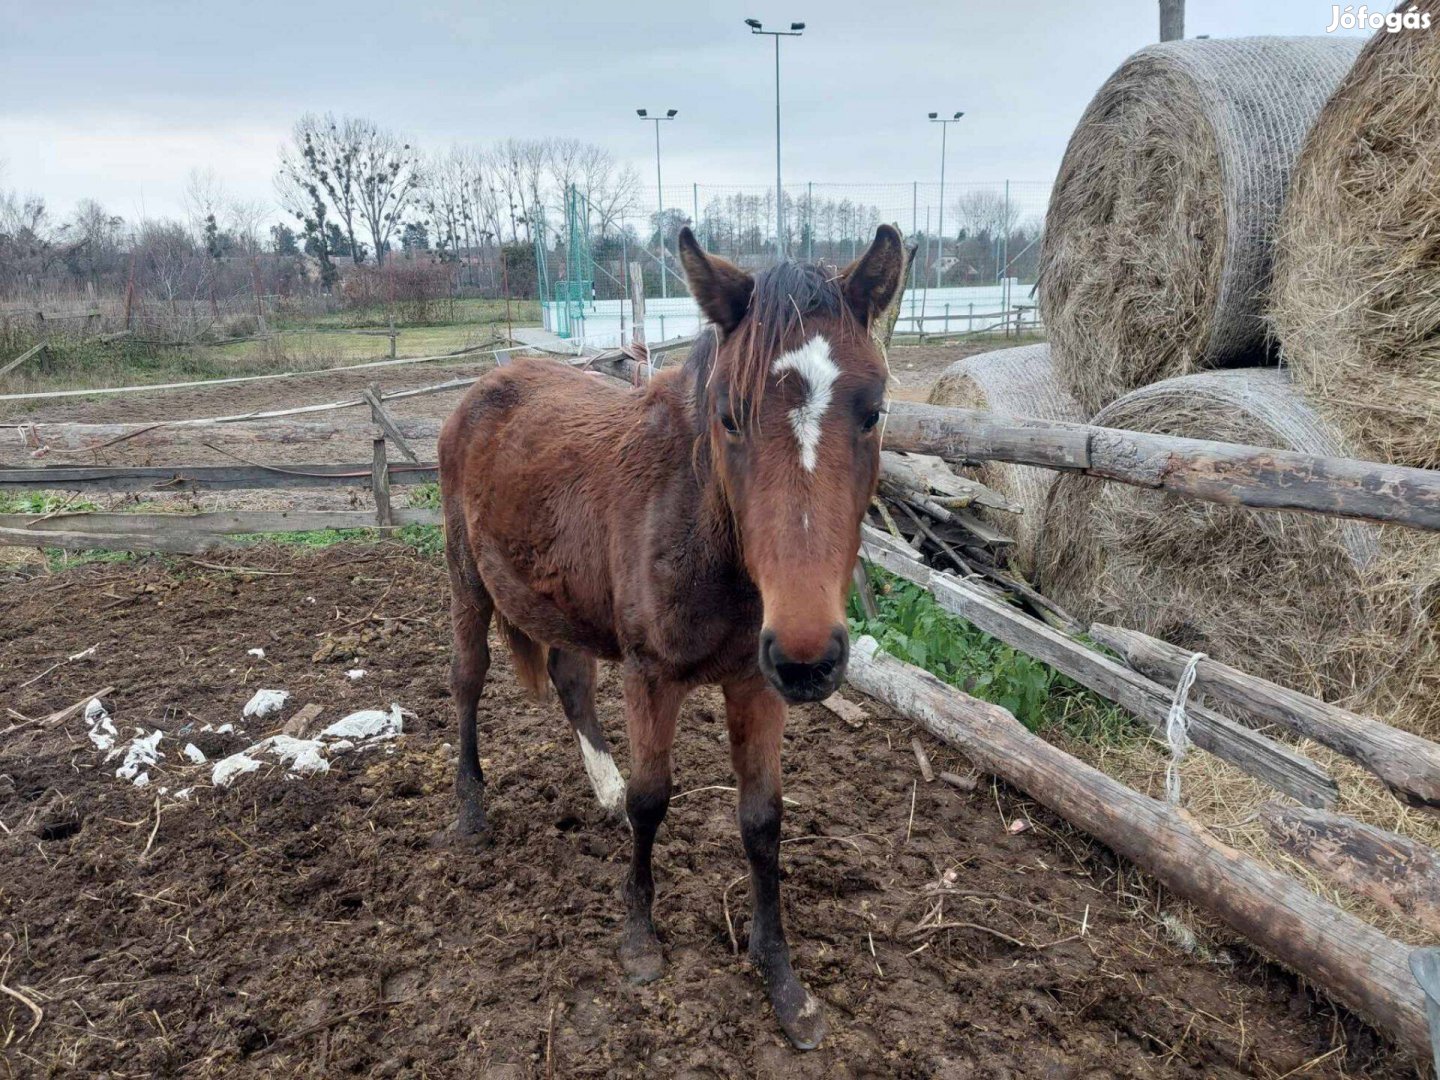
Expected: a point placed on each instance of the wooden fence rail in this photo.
(1227, 473)
(172, 478)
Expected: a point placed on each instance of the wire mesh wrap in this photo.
(1157, 246)
(1344, 609)
(1356, 300)
(1016, 382)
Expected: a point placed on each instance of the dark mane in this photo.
(785, 295)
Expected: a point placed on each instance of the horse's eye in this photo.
(729, 424)
(868, 424)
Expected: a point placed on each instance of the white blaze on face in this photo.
(813, 364)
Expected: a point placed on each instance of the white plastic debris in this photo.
(143, 751)
(259, 654)
(355, 674)
(265, 704)
(304, 756)
(194, 754)
(223, 729)
(368, 724)
(184, 794)
(102, 729)
(307, 757)
(227, 769)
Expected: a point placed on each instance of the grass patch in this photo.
(425, 496)
(41, 502)
(306, 343)
(427, 540)
(467, 312)
(916, 629)
(57, 559)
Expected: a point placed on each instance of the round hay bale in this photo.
(1356, 296)
(1016, 382)
(1344, 609)
(1156, 252)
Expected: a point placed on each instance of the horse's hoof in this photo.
(643, 960)
(471, 831)
(805, 1026)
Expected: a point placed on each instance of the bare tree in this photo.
(325, 159)
(388, 174)
(613, 191)
(984, 213)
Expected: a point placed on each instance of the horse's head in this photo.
(790, 391)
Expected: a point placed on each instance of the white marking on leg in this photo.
(605, 778)
(813, 364)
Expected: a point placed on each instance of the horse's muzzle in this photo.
(810, 680)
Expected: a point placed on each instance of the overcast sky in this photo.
(120, 100)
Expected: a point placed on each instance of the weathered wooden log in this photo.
(1408, 764)
(924, 473)
(1250, 751)
(386, 422)
(209, 477)
(1349, 959)
(1225, 473)
(179, 543)
(1399, 874)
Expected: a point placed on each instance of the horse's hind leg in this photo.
(573, 674)
(470, 611)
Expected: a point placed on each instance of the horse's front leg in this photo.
(651, 706)
(755, 716)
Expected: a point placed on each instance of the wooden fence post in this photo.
(637, 302)
(380, 470)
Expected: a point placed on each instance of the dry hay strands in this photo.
(1157, 247)
(1017, 383)
(1345, 610)
(1356, 293)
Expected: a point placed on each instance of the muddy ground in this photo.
(322, 927)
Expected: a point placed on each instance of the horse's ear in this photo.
(720, 288)
(872, 281)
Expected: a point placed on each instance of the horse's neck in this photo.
(700, 526)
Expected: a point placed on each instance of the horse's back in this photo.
(537, 394)
(522, 464)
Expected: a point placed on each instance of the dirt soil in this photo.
(323, 927)
(914, 368)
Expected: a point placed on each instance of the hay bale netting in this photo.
(1157, 246)
(1018, 383)
(1344, 609)
(1356, 300)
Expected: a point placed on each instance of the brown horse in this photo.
(700, 530)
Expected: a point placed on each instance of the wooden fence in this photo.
(1211, 471)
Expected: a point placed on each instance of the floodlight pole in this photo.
(944, 133)
(659, 196)
(796, 29)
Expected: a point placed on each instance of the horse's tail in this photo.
(531, 659)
